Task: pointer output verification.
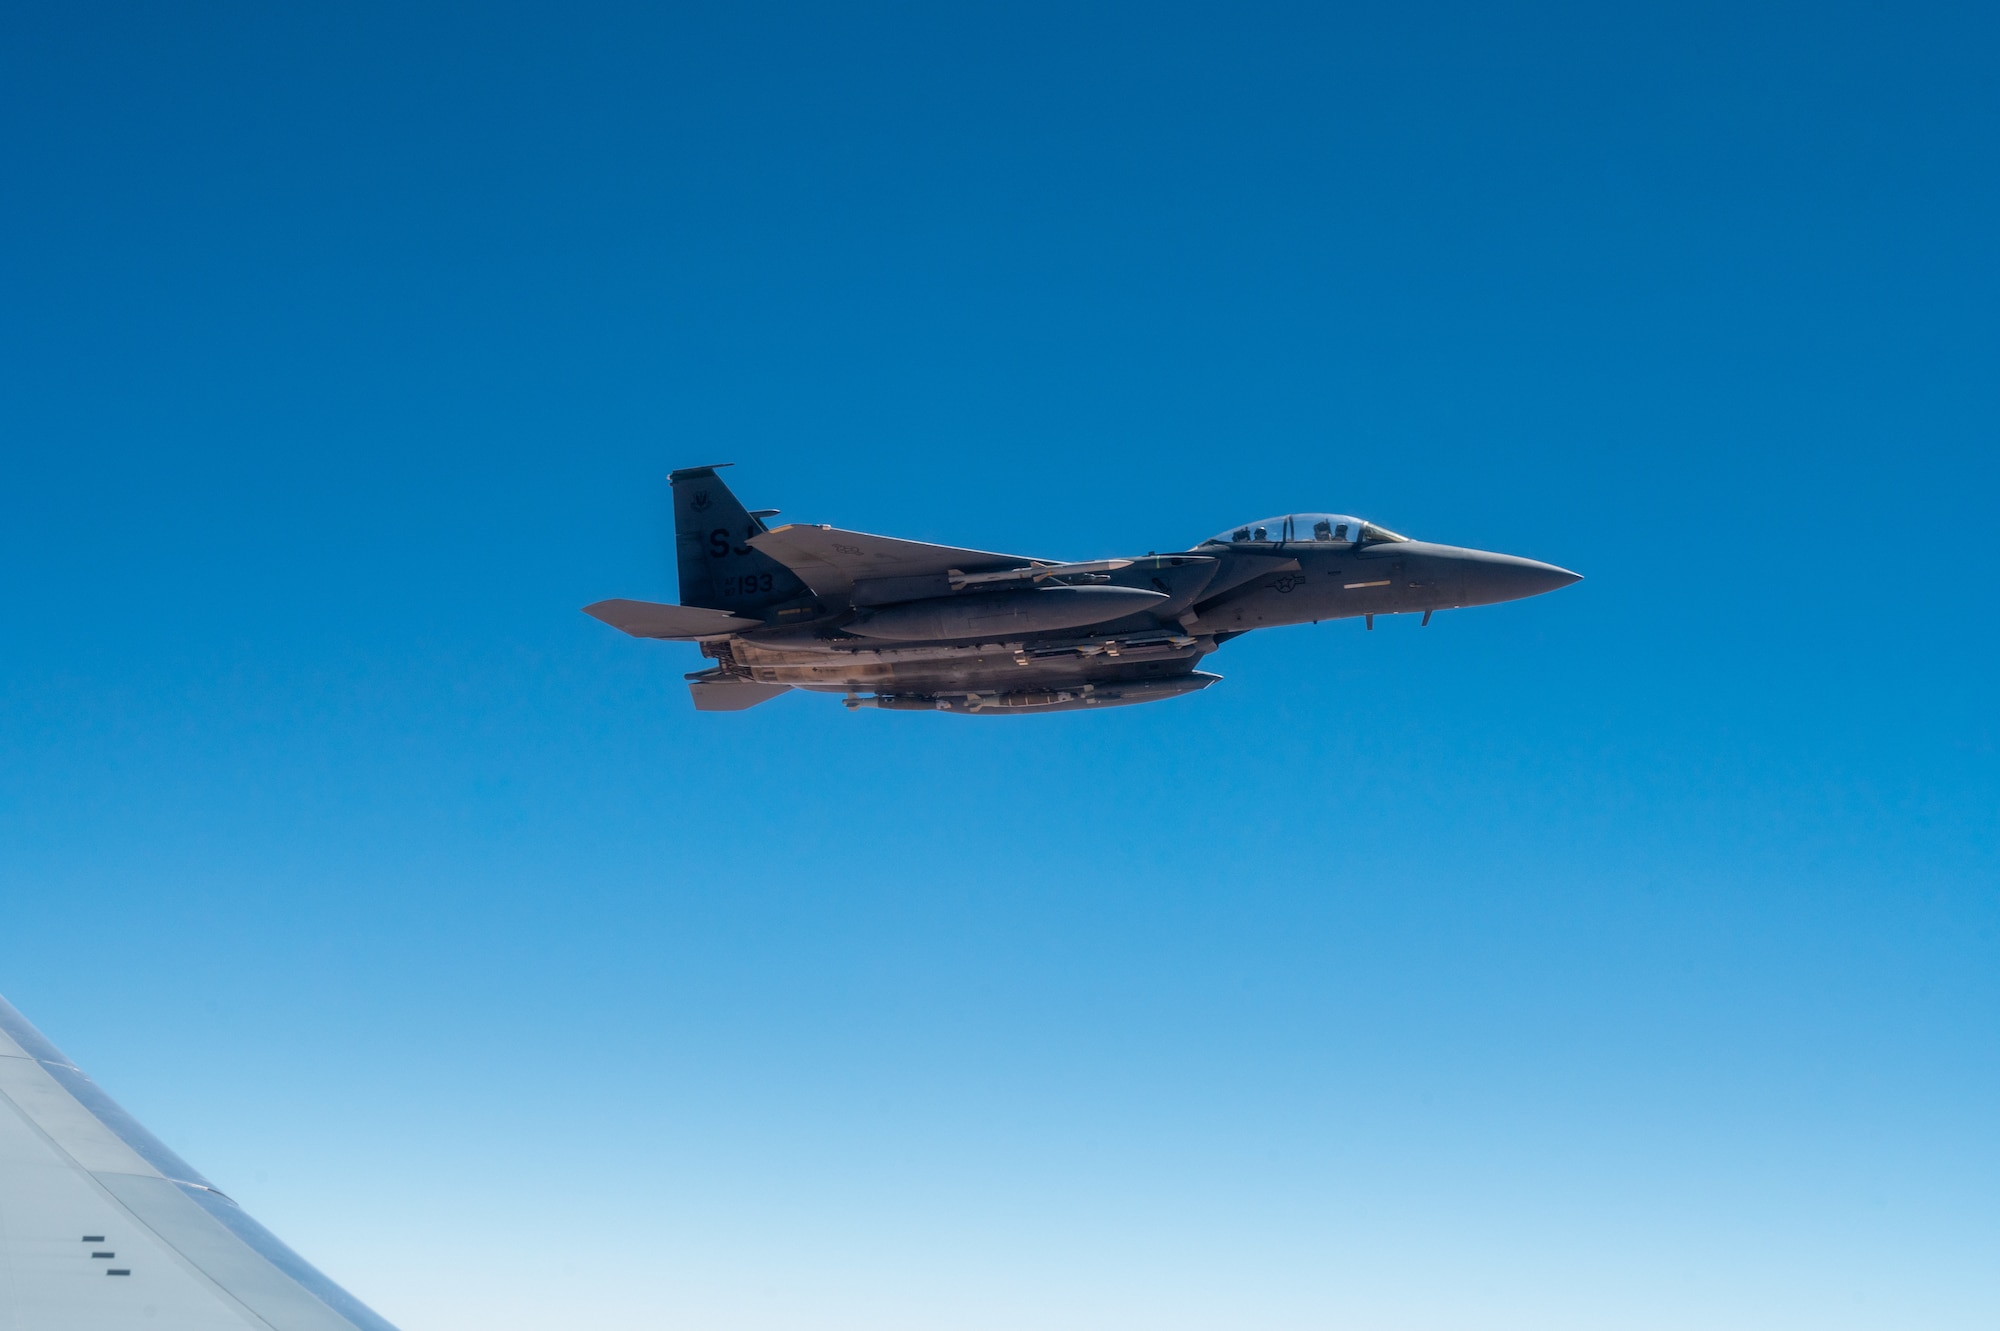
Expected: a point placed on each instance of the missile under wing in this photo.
(102, 1228)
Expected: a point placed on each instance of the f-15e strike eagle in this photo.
(906, 625)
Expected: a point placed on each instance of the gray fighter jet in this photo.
(911, 626)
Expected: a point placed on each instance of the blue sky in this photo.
(1621, 958)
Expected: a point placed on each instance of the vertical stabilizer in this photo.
(718, 569)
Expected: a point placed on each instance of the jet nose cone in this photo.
(1490, 578)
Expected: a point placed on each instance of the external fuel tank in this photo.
(992, 616)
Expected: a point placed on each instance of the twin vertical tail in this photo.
(718, 569)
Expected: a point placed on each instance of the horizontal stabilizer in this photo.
(831, 561)
(731, 695)
(650, 619)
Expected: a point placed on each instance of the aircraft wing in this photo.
(832, 561)
(102, 1228)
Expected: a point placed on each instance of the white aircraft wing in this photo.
(102, 1228)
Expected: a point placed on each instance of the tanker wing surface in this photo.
(102, 1228)
(832, 561)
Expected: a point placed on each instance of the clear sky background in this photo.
(1624, 958)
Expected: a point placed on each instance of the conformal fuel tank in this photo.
(994, 615)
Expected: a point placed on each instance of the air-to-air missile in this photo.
(906, 625)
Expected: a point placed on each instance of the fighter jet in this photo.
(916, 627)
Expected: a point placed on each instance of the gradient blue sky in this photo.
(1626, 958)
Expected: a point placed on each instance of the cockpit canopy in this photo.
(1333, 528)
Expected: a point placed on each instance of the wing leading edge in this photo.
(102, 1227)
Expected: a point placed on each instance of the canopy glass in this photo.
(1308, 528)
